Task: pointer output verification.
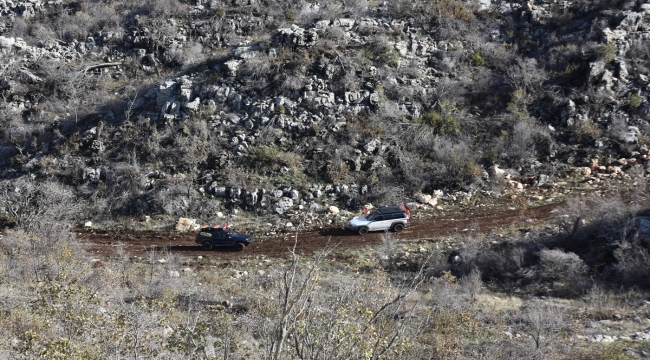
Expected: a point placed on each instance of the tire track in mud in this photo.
(106, 243)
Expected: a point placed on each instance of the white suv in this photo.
(384, 218)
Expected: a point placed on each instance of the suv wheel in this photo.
(240, 246)
(398, 227)
(206, 245)
(363, 230)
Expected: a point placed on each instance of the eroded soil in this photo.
(104, 243)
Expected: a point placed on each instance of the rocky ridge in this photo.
(393, 71)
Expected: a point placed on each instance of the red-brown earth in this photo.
(104, 243)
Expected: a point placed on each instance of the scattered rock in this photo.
(185, 224)
(422, 198)
(283, 205)
(239, 274)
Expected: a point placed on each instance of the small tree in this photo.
(295, 287)
(526, 75)
(543, 322)
(74, 87)
(443, 120)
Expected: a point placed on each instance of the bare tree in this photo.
(357, 8)
(294, 297)
(158, 20)
(74, 86)
(333, 318)
(543, 322)
(9, 66)
(26, 202)
(526, 75)
(130, 101)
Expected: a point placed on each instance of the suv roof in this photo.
(390, 209)
(213, 228)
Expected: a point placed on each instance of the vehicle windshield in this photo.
(371, 217)
(234, 233)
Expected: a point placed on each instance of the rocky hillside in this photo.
(191, 108)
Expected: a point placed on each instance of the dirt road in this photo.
(102, 243)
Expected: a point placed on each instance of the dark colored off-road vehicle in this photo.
(210, 237)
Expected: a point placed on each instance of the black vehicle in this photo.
(210, 237)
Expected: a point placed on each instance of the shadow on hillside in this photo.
(111, 111)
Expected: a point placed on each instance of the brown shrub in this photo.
(456, 163)
(558, 265)
(633, 264)
(587, 132)
(337, 172)
(453, 9)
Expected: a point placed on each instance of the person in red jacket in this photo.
(406, 210)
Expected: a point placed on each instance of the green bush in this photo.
(219, 12)
(266, 154)
(634, 100)
(444, 120)
(271, 155)
(476, 59)
(382, 52)
(290, 14)
(570, 72)
(606, 52)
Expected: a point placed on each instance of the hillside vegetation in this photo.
(192, 108)
(293, 114)
(576, 288)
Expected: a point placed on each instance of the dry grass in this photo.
(500, 303)
(50, 294)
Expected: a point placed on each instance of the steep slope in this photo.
(196, 108)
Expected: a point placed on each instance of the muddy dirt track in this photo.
(103, 243)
